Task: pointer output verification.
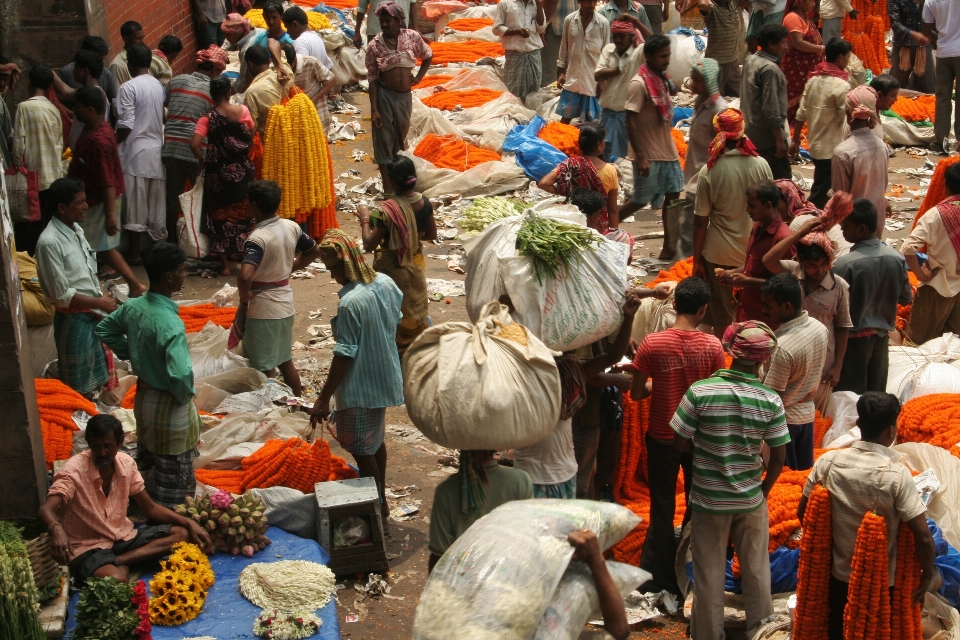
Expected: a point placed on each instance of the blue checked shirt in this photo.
(365, 329)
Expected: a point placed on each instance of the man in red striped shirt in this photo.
(666, 364)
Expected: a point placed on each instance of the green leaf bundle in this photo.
(19, 601)
(552, 244)
(106, 611)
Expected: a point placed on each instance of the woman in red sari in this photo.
(805, 52)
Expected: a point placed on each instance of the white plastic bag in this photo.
(487, 179)
(466, 387)
(842, 409)
(582, 306)
(237, 428)
(683, 53)
(208, 350)
(190, 235)
(920, 456)
(576, 601)
(497, 579)
(213, 390)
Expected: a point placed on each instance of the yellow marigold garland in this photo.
(180, 587)
(315, 20)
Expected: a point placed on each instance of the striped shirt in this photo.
(365, 329)
(728, 416)
(38, 139)
(188, 99)
(794, 368)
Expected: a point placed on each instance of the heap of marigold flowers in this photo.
(288, 463)
(315, 20)
(196, 316)
(867, 32)
(296, 157)
(465, 51)
(466, 98)
(681, 143)
(469, 24)
(180, 587)
(57, 403)
(918, 109)
(937, 190)
(450, 152)
(934, 419)
(433, 81)
(564, 137)
(812, 617)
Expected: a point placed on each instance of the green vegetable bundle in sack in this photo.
(565, 280)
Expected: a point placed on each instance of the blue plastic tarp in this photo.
(947, 563)
(784, 563)
(536, 157)
(226, 613)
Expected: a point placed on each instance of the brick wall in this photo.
(159, 18)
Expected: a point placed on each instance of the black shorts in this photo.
(85, 564)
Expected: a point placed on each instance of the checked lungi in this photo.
(360, 431)
(84, 364)
(522, 72)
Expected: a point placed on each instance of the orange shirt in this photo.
(91, 519)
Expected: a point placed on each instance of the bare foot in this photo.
(226, 272)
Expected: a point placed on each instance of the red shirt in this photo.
(674, 360)
(761, 241)
(96, 161)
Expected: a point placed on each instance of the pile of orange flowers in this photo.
(432, 81)
(867, 33)
(937, 190)
(677, 272)
(469, 24)
(934, 419)
(564, 137)
(681, 145)
(867, 614)
(465, 99)
(450, 152)
(465, 51)
(903, 310)
(286, 463)
(57, 403)
(195, 317)
(813, 576)
(917, 109)
(907, 622)
(821, 424)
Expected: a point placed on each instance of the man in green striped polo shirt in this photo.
(724, 420)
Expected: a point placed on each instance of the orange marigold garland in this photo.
(469, 24)
(934, 419)
(867, 614)
(564, 137)
(937, 190)
(466, 98)
(195, 317)
(681, 143)
(432, 81)
(450, 152)
(918, 109)
(821, 425)
(813, 577)
(57, 403)
(464, 51)
(906, 623)
(677, 272)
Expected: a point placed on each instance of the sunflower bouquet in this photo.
(180, 587)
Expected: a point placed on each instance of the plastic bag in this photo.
(208, 349)
(908, 363)
(842, 409)
(942, 505)
(900, 132)
(537, 157)
(190, 234)
(348, 66)
(237, 428)
(213, 390)
(576, 600)
(583, 305)
(487, 179)
(466, 387)
(684, 51)
(290, 510)
(497, 579)
(349, 532)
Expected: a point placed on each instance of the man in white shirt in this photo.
(140, 134)
(941, 23)
(585, 34)
(307, 42)
(520, 25)
(935, 307)
(619, 62)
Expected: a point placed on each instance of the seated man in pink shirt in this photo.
(86, 511)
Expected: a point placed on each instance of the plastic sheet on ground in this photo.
(943, 504)
(901, 132)
(226, 613)
(213, 390)
(537, 157)
(947, 562)
(209, 353)
(487, 179)
(237, 428)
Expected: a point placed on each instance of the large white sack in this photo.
(213, 390)
(466, 387)
(842, 409)
(582, 306)
(683, 53)
(497, 579)
(653, 316)
(943, 505)
(908, 365)
(208, 349)
(487, 179)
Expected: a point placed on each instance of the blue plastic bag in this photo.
(947, 563)
(536, 157)
(784, 563)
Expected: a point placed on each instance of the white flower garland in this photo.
(274, 625)
(288, 585)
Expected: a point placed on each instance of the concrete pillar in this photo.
(23, 476)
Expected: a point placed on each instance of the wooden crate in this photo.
(343, 499)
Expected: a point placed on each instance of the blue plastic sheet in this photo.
(227, 614)
(784, 563)
(536, 157)
(681, 113)
(947, 563)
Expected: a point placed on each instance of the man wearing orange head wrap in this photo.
(860, 162)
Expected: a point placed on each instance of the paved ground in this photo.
(413, 463)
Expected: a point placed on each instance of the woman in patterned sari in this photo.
(227, 172)
(394, 231)
(588, 171)
(805, 52)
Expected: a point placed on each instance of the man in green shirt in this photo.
(148, 332)
(724, 420)
(480, 486)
